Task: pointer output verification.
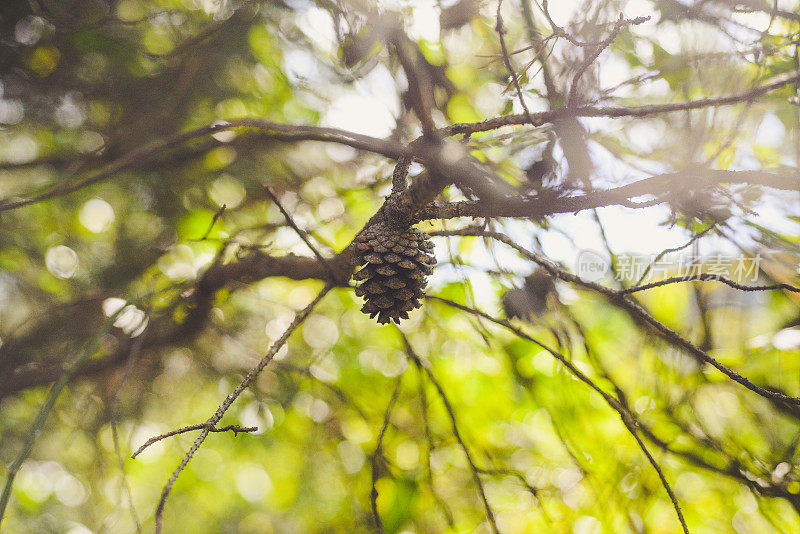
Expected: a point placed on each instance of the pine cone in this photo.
(396, 262)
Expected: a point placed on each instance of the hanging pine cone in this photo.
(395, 262)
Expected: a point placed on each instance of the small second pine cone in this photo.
(395, 265)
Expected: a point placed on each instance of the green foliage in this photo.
(83, 85)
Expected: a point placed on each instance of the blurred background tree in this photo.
(610, 339)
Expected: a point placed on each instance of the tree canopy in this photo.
(609, 340)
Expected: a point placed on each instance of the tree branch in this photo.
(452, 415)
(388, 148)
(708, 277)
(628, 419)
(636, 311)
(501, 31)
(619, 112)
(229, 400)
(377, 455)
(201, 426)
(659, 186)
(283, 132)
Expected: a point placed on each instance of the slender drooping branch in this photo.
(64, 377)
(501, 32)
(423, 369)
(290, 221)
(377, 455)
(628, 419)
(229, 400)
(635, 310)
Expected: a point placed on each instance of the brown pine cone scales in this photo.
(395, 263)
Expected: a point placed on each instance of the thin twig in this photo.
(337, 392)
(302, 234)
(452, 415)
(423, 401)
(631, 426)
(47, 407)
(558, 31)
(733, 469)
(275, 130)
(636, 311)
(501, 31)
(112, 408)
(520, 477)
(543, 117)
(289, 367)
(214, 220)
(627, 417)
(236, 429)
(377, 455)
(572, 99)
(708, 277)
(664, 252)
(420, 88)
(229, 400)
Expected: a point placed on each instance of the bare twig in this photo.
(707, 277)
(377, 455)
(572, 99)
(336, 391)
(631, 426)
(501, 31)
(664, 252)
(420, 88)
(543, 117)
(47, 407)
(750, 6)
(200, 426)
(302, 234)
(635, 310)
(627, 417)
(520, 477)
(423, 401)
(229, 400)
(558, 31)
(214, 220)
(112, 409)
(275, 130)
(452, 415)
